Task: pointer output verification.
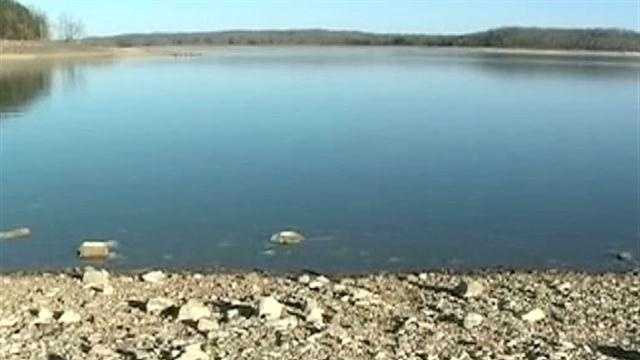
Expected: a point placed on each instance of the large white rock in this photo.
(313, 312)
(93, 277)
(153, 277)
(269, 308)
(193, 310)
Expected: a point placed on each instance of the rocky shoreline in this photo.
(91, 314)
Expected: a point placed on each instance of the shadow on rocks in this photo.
(619, 353)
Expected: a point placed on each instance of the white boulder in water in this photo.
(287, 237)
(15, 233)
(96, 250)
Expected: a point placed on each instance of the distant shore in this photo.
(33, 50)
(160, 315)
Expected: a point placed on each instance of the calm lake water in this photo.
(386, 158)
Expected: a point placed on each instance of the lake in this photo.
(386, 158)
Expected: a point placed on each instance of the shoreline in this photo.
(29, 51)
(430, 315)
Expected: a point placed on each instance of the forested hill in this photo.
(507, 37)
(20, 23)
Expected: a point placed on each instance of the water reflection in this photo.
(22, 85)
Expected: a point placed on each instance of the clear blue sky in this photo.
(104, 17)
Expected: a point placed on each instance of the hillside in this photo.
(507, 37)
(20, 23)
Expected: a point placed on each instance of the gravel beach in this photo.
(91, 314)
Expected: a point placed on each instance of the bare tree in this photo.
(70, 29)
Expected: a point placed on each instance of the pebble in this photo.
(193, 352)
(469, 289)
(43, 317)
(193, 310)
(69, 317)
(313, 312)
(286, 324)
(534, 315)
(269, 308)
(472, 320)
(207, 325)
(95, 278)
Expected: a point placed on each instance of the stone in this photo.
(158, 305)
(95, 250)
(153, 277)
(534, 315)
(193, 310)
(361, 294)
(319, 282)
(472, 320)
(207, 325)
(15, 233)
(9, 321)
(95, 278)
(193, 352)
(469, 289)
(286, 324)
(313, 312)
(288, 237)
(624, 256)
(69, 317)
(43, 317)
(304, 279)
(269, 308)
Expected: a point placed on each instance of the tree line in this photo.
(18, 22)
(506, 37)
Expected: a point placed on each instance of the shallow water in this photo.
(387, 158)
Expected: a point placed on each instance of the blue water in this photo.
(387, 158)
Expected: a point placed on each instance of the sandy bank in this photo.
(496, 315)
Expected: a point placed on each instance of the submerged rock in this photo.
(624, 256)
(96, 250)
(15, 234)
(287, 237)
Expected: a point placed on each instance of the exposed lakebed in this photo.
(387, 158)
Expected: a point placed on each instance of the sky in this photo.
(102, 17)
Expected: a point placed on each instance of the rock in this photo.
(472, 320)
(15, 234)
(624, 256)
(288, 237)
(361, 294)
(158, 305)
(193, 310)
(69, 317)
(93, 277)
(269, 308)
(534, 315)
(469, 289)
(153, 277)
(44, 316)
(286, 324)
(313, 312)
(207, 325)
(319, 282)
(193, 352)
(9, 321)
(95, 250)
(232, 314)
(304, 279)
